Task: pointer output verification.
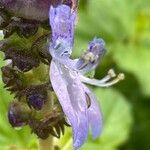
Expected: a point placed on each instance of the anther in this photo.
(112, 73)
(121, 76)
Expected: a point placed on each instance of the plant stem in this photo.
(46, 144)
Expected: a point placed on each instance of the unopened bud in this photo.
(36, 101)
(18, 114)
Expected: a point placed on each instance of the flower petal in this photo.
(94, 114)
(62, 21)
(77, 96)
(61, 91)
(71, 95)
(90, 59)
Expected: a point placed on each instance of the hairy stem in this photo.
(46, 144)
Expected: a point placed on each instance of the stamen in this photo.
(103, 82)
(111, 74)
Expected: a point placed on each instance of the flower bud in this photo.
(36, 95)
(36, 101)
(25, 60)
(18, 114)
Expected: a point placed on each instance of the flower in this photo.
(67, 75)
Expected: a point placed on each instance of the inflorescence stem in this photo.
(46, 144)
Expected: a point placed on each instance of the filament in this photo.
(104, 82)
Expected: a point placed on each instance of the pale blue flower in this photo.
(66, 75)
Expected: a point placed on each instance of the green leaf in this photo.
(102, 19)
(135, 59)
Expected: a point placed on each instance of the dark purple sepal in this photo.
(24, 59)
(36, 101)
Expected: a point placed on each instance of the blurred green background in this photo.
(125, 27)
